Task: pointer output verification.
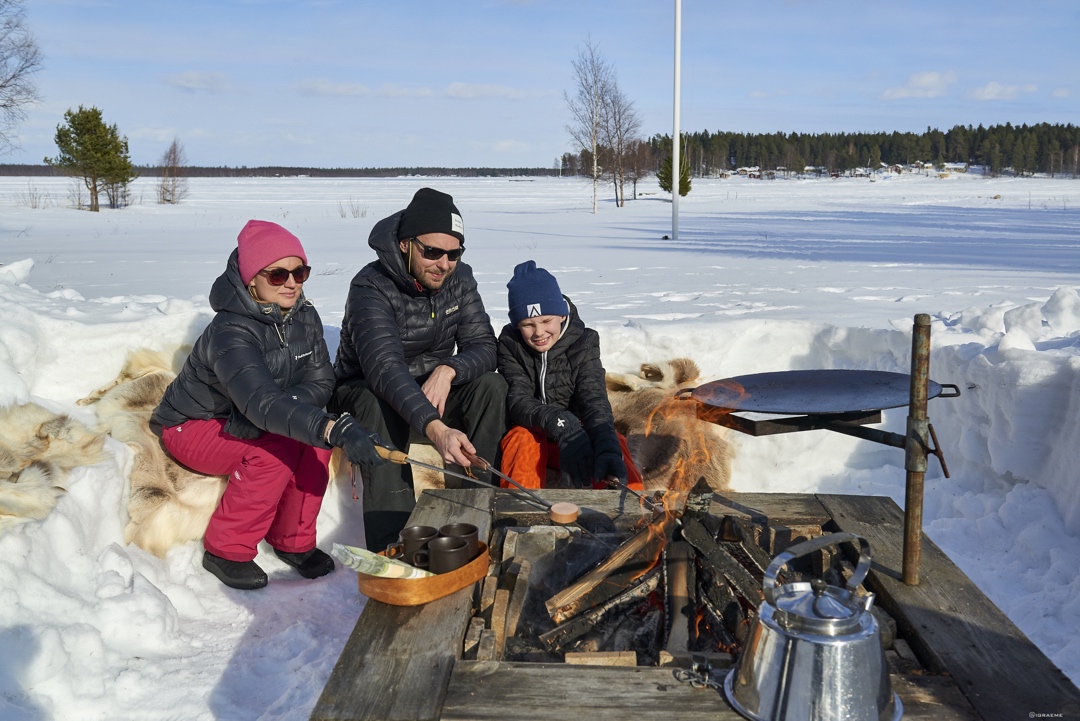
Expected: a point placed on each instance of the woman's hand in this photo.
(358, 444)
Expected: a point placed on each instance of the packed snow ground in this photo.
(787, 274)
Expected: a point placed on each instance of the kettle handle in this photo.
(768, 584)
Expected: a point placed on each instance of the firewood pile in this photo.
(680, 588)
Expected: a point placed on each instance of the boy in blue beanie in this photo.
(557, 404)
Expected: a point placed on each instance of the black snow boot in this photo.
(310, 564)
(245, 575)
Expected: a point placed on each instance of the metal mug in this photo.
(443, 554)
(468, 531)
(410, 540)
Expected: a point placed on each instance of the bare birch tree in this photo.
(594, 78)
(621, 125)
(19, 60)
(173, 186)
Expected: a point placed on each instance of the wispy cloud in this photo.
(473, 91)
(930, 84)
(1062, 93)
(194, 81)
(403, 91)
(321, 86)
(999, 91)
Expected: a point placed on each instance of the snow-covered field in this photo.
(787, 274)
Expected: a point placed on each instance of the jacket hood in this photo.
(230, 294)
(384, 241)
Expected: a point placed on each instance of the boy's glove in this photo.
(608, 465)
(575, 451)
(238, 426)
(358, 444)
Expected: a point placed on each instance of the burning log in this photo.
(568, 632)
(628, 562)
(738, 539)
(740, 579)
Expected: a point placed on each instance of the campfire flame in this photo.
(680, 415)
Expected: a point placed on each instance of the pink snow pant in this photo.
(275, 487)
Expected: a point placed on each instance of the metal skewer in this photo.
(401, 458)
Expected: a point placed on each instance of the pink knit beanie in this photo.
(261, 243)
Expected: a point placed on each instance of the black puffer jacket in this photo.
(273, 368)
(568, 376)
(395, 332)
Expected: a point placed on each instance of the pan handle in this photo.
(955, 388)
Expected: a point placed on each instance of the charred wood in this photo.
(744, 584)
(573, 629)
(626, 563)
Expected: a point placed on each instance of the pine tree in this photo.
(91, 150)
(664, 174)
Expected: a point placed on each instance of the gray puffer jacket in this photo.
(569, 376)
(271, 367)
(395, 331)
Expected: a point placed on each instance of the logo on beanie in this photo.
(534, 310)
(456, 226)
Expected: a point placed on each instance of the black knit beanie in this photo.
(532, 292)
(431, 212)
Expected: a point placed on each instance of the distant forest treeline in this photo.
(1016, 149)
(197, 171)
(1013, 149)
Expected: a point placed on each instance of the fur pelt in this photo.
(37, 449)
(167, 503)
(669, 444)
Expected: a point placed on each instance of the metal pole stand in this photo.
(915, 447)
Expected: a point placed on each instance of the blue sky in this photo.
(349, 83)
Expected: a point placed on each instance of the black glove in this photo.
(358, 444)
(239, 426)
(608, 465)
(575, 451)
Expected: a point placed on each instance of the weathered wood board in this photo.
(951, 625)
(397, 662)
(493, 691)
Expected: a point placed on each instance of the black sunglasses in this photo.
(430, 253)
(280, 276)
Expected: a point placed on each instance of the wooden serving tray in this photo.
(417, 591)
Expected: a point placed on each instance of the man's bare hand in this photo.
(452, 444)
(437, 386)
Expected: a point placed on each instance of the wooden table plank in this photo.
(494, 691)
(951, 625)
(397, 662)
(784, 509)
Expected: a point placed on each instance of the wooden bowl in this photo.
(416, 591)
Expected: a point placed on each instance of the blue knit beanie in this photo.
(533, 292)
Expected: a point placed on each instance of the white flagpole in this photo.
(676, 172)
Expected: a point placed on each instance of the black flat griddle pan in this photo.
(811, 392)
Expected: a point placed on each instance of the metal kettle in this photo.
(814, 652)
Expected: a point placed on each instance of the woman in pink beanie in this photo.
(248, 404)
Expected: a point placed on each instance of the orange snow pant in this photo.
(527, 454)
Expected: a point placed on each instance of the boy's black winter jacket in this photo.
(569, 376)
(395, 332)
(272, 368)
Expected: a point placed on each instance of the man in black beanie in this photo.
(418, 353)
